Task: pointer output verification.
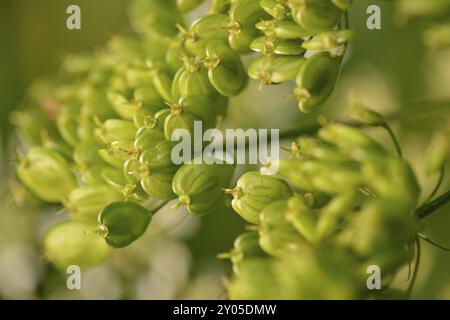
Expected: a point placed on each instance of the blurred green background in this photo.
(386, 68)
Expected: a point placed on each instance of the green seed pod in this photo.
(123, 223)
(158, 185)
(115, 130)
(331, 41)
(148, 138)
(116, 179)
(159, 157)
(322, 175)
(68, 243)
(200, 186)
(243, 17)
(124, 108)
(245, 247)
(188, 5)
(156, 17)
(316, 80)
(173, 54)
(220, 6)
(277, 10)
(47, 174)
(318, 149)
(210, 26)
(315, 15)
(438, 151)
(86, 202)
(188, 110)
(333, 213)
(257, 280)
(275, 69)
(268, 46)
(366, 116)
(149, 98)
(117, 153)
(302, 218)
(342, 4)
(276, 234)
(162, 83)
(194, 81)
(67, 124)
(353, 142)
(287, 30)
(254, 192)
(225, 70)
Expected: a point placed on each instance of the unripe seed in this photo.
(282, 29)
(200, 186)
(188, 5)
(225, 69)
(275, 69)
(69, 244)
(47, 174)
(331, 41)
(274, 8)
(123, 223)
(115, 130)
(268, 46)
(315, 15)
(276, 234)
(85, 203)
(302, 218)
(316, 80)
(253, 192)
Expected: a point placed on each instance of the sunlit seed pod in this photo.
(124, 108)
(275, 69)
(353, 142)
(155, 17)
(257, 280)
(86, 202)
(285, 29)
(173, 54)
(210, 26)
(194, 81)
(85, 153)
(158, 185)
(315, 15)
(342, 4)
(67, 126)
(331, 41)
(438, 151)
(245, 247)
(200, 186)
(275, 9)
(159, 157)
(225, 69)
(117, 153)
(96, 104)
(122, 223)
(197, 46)
(220, 6)
(303, 218)
(365, 115)
(162, 83)
(188, 110)
(276, 234)
(115, 130)
(149, 98)
(91, 175)
(68, 243)
(253, 192)
(243, 17)
(240, 40)
(315, 80)
(148, 138)
(144, 118)
(188, 5)
(318, 149)
(175, 87)
(332, 215)
(268, 46)
(47, 174)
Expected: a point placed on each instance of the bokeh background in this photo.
(388, 69)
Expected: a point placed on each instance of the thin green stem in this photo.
(158, 207)
(388, 128)
(416, 268)
(428, 208)
(432, 242)
(437, 186)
